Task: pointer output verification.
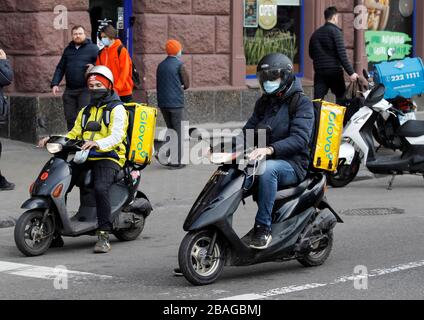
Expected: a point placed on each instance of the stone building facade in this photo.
(211, 33)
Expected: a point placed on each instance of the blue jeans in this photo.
(277, 174)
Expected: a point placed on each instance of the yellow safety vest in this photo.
(117, 153)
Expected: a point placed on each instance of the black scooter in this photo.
(47, 215)
(302, 224)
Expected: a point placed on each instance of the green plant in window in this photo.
(261, 44)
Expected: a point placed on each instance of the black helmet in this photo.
(274, 66)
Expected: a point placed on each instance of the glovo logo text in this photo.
(141, 132)
(330, 134)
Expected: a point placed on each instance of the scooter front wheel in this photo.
(195, 264)
(32, 236)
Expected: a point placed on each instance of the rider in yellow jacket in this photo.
(104, 146)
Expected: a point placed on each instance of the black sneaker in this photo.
(261, 237)
(6, 185)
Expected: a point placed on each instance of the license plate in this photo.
(408, 116)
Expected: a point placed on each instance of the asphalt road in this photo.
(389, 246)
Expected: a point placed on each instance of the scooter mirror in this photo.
(375, 96)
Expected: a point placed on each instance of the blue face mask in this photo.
(106, 42)
(272, 86)
(179, 54)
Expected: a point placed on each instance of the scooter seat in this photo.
(86, 179)
(120, 176)
(293, 191)
(412, 129)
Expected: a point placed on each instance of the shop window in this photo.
(285, 36)
(391, 25)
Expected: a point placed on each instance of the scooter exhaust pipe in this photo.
(316, 231)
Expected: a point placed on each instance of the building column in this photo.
(360, 56)
(238, 59)
(419, 28)
(314, 18)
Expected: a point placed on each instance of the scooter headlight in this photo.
(54, 147)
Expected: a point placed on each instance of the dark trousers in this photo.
(173, 118)
(73, 102)
(104, 176)
(126, 99)
(333, 81)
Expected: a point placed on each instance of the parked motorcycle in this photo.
(403, 80)
(47, 215)
(358, 143)
(302, 227)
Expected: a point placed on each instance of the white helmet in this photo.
(101, 70)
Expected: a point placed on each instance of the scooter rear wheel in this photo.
(131, 233)
(317, 258)
(32, 237)
(196, 266)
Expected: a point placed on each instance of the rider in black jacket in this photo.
(287, 150)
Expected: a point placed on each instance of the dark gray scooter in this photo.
(302, 226)
(47, 215)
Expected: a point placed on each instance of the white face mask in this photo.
(272, 86)
(106, 41)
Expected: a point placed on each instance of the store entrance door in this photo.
(117, 13)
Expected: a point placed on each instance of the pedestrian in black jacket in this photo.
(80, 53)
(328, 52)
(287, 151)
(6, 78)
(172, 79)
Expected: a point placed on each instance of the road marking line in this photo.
(39, 272)
(343, 279)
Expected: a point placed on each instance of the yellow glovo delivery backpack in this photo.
(140, 132)
(328, 135)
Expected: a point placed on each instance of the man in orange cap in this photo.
(171, 81)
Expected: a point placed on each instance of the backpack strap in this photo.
(108, 110)
(294, 101)
(119, 51)
(85, 116)
(105, 116)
